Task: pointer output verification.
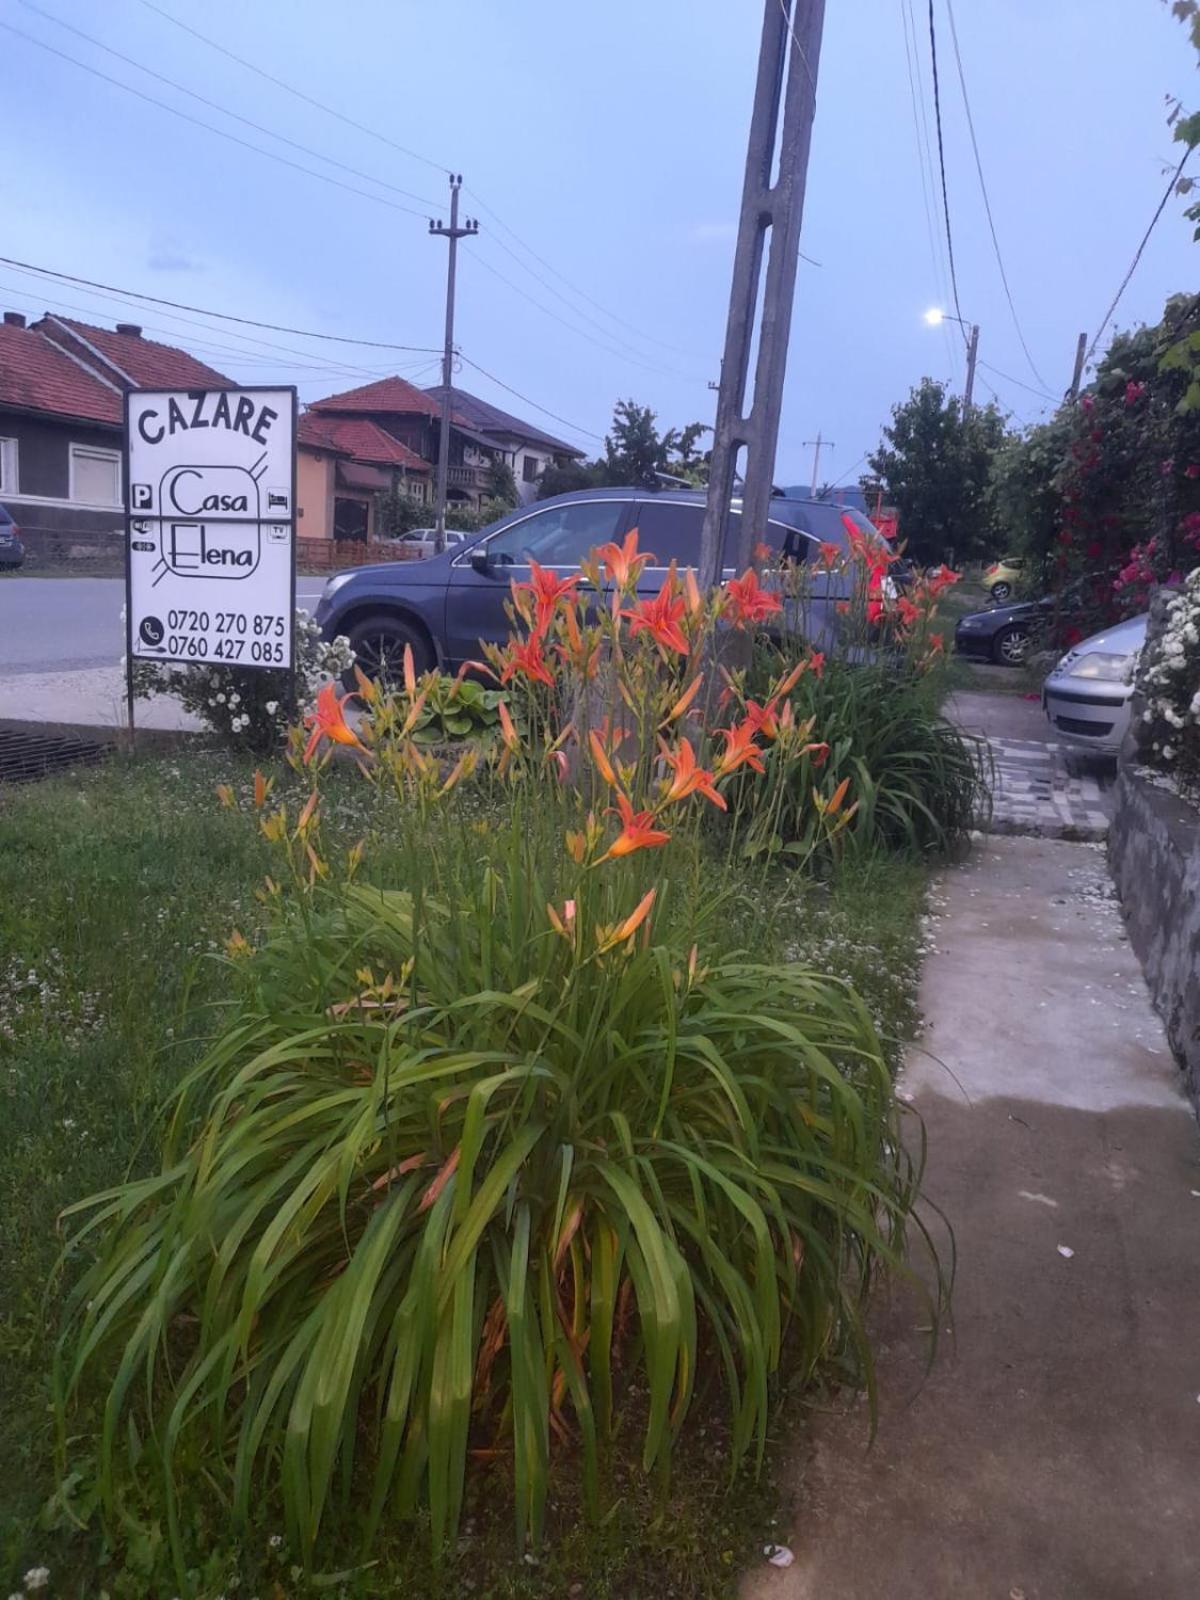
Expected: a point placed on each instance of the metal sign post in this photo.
(210, 547)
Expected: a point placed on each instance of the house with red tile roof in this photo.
(62, 384)
(343, 463)
(413, 417)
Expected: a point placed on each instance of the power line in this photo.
(297, 166)
(924, 162)
(1137, 256)
(223, 316)
(937, 107)
(987, 204)
(215, 105)
(415, 155)
(525, 398)
(279, 83)
(482, 261)
(1042, 394)
(198, 122)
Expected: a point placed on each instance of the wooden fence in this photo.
(330, 555)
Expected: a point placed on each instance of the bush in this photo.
(250, 709)
(506, 1154)
(1168, 677)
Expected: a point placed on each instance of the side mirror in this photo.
(481, 561)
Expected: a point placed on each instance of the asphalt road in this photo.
(65, 624)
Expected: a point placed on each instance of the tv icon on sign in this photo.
(142, 497)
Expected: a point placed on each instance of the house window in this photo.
(8, 466)
(95, 476)
(531, 469)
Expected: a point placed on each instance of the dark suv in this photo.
(12, 551)
(446, 605)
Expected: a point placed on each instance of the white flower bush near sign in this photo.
(1169, 681)
(250, 708)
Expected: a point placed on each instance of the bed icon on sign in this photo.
(213, 549)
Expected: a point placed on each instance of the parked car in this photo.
(423, 540)
(1087, 696)
(446, 606)
(999, 578)
(1001, 633)
(12, 551)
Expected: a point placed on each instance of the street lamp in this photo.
(936, 315)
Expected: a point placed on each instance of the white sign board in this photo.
(210, 489)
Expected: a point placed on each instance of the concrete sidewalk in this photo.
(1054, 1451)
(91, 697)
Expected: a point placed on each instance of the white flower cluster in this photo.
(235, 701)
(1169, 678)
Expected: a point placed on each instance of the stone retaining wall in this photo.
(1154, 851)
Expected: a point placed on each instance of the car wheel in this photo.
(1010, 646)
(1001, 590)
(379, 641)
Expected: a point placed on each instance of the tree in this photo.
(634, 451)
(935, 465)
(502, 483)
(636, 454)
(397, 513)
(568, 478)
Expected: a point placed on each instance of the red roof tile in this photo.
(147, 365)
(388, 394)
(37, 377)
(361, 439)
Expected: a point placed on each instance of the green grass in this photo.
(117, 888)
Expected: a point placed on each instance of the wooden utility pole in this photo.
(818, 445)
(972, 352)
(1077, 375)
(789, 53)
(453, 233)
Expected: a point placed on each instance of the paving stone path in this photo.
(1036, 792)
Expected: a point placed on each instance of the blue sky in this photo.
(609, 140)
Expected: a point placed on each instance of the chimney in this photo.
(14, 319)
(130, 328)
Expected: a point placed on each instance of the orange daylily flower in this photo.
(328, 721)
(562, 922)
(608, 938)
(818, 752)
(762, 552)
(689, 778)
(636, 832)
(583, 652)
(816, 663)
(907, 610)
(600, 757)
(685, 699)
(624, 561)
(740, 749)
(660, 618)
(526, 658)
(546, 591)
(508, 731)
(762, 718)
(829, 554)
(747, 601)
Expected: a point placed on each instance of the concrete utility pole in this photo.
(1076, 376)
(818, 445)
(972, 352)
(789, 53)
(454, 233)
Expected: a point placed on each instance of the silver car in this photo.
(1087, 695)
(423, 541)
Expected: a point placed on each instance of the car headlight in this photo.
(1099, 664)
